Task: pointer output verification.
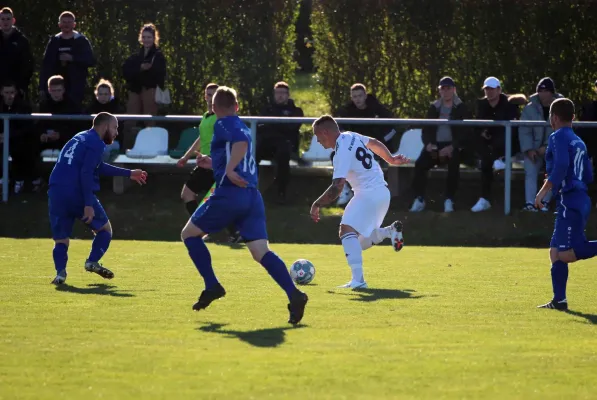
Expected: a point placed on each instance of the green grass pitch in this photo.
(436, 323)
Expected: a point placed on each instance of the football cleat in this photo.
(93, 266)
(561, 305)
(208, 296)
(60, 278)
(354, 285)
(396, 236)
(296, 307)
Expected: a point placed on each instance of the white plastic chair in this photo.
(411, 144)
(150, 143)
(316, 152)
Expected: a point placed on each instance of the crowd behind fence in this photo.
(253, 121)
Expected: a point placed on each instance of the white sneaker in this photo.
(544, 207)
(499, 165)
(448, 206)
(345, 196)
(354, 285)
(481, 205)
(418, 205)
(396, 236)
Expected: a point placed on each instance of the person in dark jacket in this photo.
(143, 73)
(278, 141)
(15, 53)
(491, 142)
(53, 134)
(365, 105)
(68, 54)
(105, 101)
(442, 144)
(24, 158)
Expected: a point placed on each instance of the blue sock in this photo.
(100, 245)
(202, 259)
(559, 277)
(277, 270)
(60, 255)
(586, 250)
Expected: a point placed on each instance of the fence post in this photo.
(5, 160)
(508, 171)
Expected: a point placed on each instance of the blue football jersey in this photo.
(227, 131)
(567, 163)
(77, 168)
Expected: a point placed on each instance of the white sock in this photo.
(376, 237)
(354, 255)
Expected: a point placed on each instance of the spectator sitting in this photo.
(55, 133)
(143, 73)
(105, 101)
(69, 55)
(15, 53)
(364, 105)
(533, 140)
(23, 157)
(491, 141)
(279, 141)
(441, 145)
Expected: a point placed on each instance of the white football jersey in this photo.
(354, 162)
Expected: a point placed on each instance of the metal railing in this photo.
(253, 121)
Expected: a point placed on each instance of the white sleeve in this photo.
(364, 139)
(342, 160)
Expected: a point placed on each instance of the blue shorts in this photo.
(571, 219)
(64, 210)
(242, 207)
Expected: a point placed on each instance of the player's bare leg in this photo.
(192, 236)
(392, 232)
(101, 242)
(276, 268)
(60, 255)
(354, 256)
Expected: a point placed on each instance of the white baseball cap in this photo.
(491, 82)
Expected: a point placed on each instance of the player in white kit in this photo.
(353, 161)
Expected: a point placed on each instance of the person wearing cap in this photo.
(491, 141)
(533, 140)
(441, 145)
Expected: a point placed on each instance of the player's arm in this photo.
(191, 151)
(558, 146)
(111, 170)
(381, 150)
(331, 193)
(237, 154)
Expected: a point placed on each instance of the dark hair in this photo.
(225, 97)
(67, 14)
(281, 85)
(151, 29)
(358, 86)
(563, 108)
(7, 10)
(212, 86)
(324, 119)
(8, 82)
(102, 118)
(56, 80)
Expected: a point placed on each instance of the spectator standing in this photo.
(68, 54)
(441, 145)
(278, 141)
(534, 139)
(15, 53)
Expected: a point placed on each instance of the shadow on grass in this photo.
(591, 318)
(369, 295)
(100, 289)
(270, 337)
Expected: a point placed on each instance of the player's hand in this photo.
(315, 212)
(539, 199)
(182, 162)
(139, 176)
(532, 154)
(399, 159)
(236, 179)
(88, 214)
(203, 161)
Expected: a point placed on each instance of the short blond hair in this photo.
(225, 97)
(325, 119)
(104, 83)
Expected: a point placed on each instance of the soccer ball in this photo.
(302, 272)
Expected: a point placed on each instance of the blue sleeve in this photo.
(558, 145)
(91, 159)
(111, 170)
(237, 135)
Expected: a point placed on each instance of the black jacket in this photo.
(19, 128)
(290, 131)
(17, 61)
(66, 129)
(506, 109)
(459, 112)
(373, 109)
(148, 79)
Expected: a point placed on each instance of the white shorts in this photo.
(366, 211)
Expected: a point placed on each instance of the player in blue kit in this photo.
(569, 172)
(73, 181)
(236, 200)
